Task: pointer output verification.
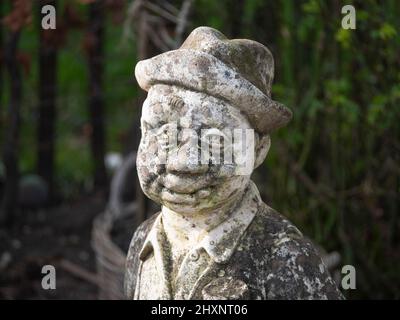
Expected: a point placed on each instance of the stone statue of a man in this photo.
(214, 237)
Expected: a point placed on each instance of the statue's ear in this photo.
(262, 147)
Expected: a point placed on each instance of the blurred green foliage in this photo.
(73, 159)
(334, 171)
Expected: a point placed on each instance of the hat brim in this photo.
(199, 71)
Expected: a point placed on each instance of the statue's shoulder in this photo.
(140, 236)
(142, 231)
(132, 261)
(274, 225)
(294, 268)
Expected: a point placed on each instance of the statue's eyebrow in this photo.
(175, 101)
(212, 125)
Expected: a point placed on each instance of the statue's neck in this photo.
(185, 231)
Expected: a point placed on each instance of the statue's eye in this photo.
(146, 126)
(214, 137)
(153, 127)
(163, 140)
(213, 133)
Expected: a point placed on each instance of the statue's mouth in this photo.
(184, 198)
(189, 184)
(185, 189)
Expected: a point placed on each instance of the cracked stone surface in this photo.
(214, 238)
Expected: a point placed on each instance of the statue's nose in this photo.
(185, 159)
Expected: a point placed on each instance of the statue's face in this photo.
(180, 128)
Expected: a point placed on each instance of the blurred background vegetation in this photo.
(334, 171)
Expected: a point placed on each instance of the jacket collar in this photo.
(220, 243)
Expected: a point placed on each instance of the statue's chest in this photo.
(180, 280)
(197, 277)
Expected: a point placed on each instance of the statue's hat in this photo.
(239, 71)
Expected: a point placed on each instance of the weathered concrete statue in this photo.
(214, 237)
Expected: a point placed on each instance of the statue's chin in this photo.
(187, 209)
(188, 206)
(184, 210)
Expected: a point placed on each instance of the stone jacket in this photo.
(256, 254)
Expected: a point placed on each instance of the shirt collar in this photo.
(221, 242)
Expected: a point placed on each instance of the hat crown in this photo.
(239, 71)
(252, 60)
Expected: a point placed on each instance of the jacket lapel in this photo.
(157, 243)
(211, 272)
